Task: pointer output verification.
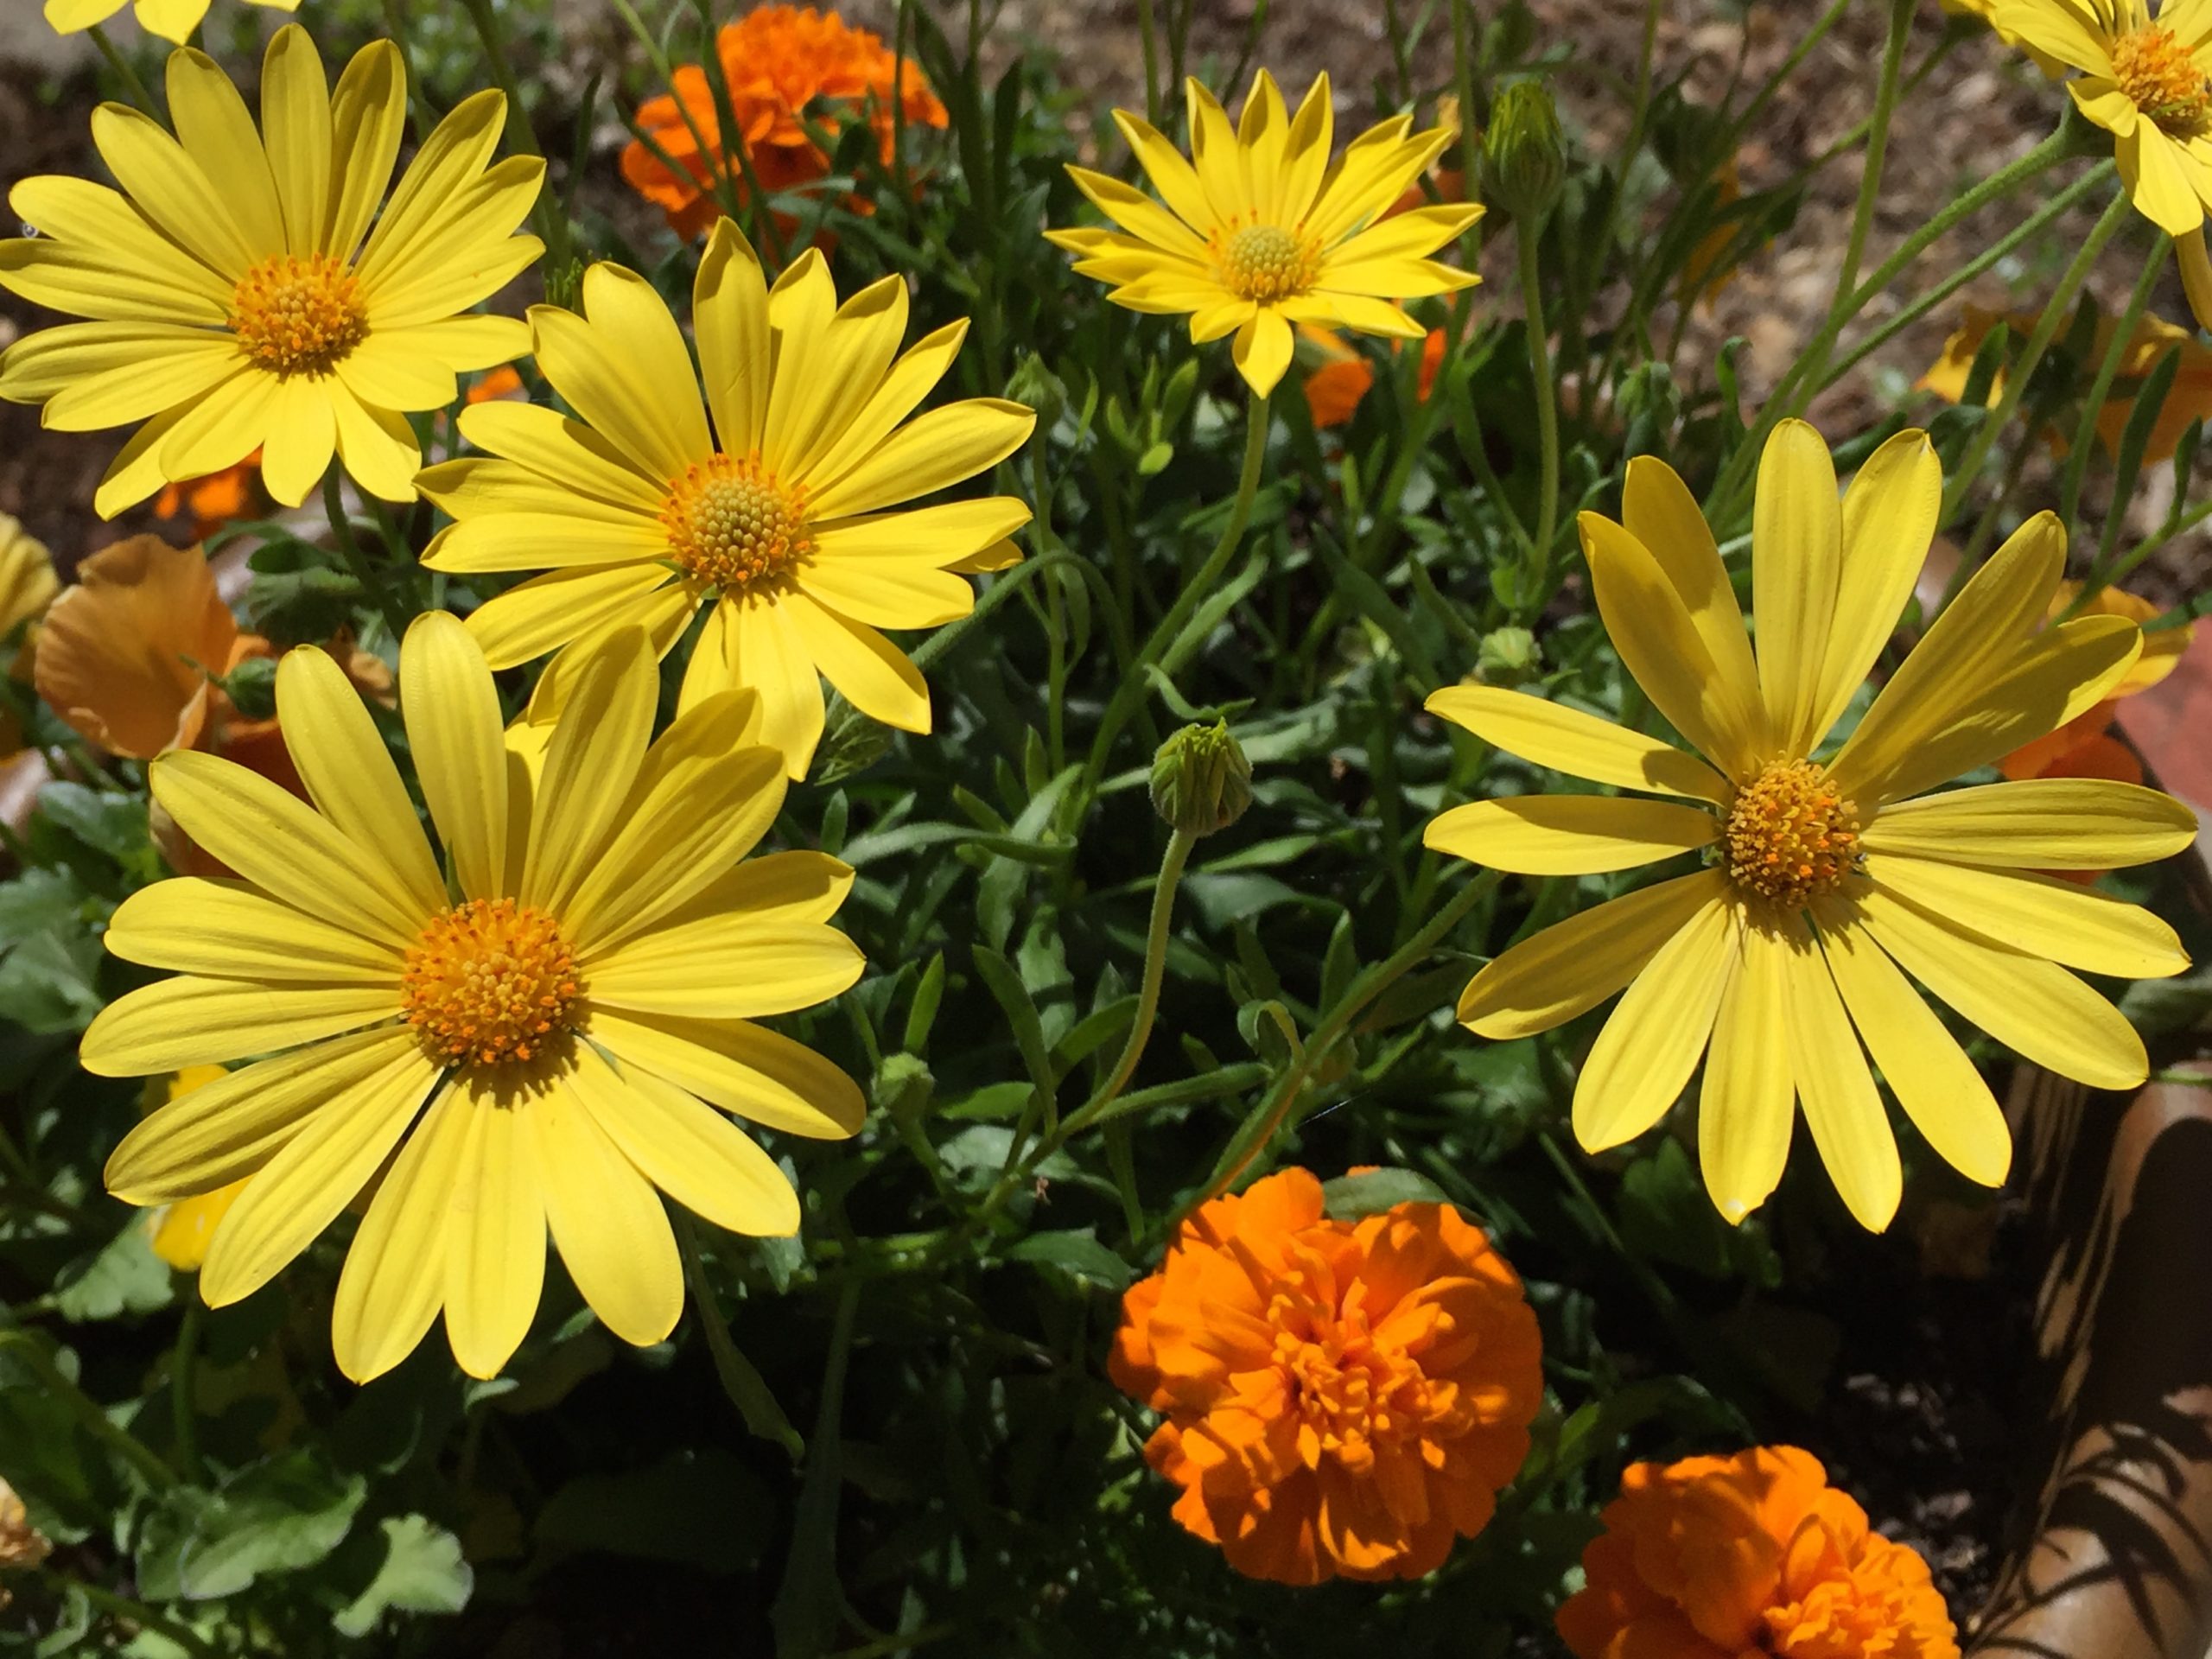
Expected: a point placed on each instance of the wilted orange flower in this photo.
(1341, 1398)
(2189, 399)
(779, 61)
(183, 1230)
(1704, 274)
(1723, 1558)
(2084, 746)
(1343, 376)
(214, 500)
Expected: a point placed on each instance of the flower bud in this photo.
(1037, 387)
(1508, 657)
(1524, 154)
(1201, 781)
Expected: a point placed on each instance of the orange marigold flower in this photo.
(1343, 376)
(1721, 1558)
(214, 500)
(779, 61)
(1341, 1398)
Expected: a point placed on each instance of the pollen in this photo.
(1791, 837)
(1264, 263)
(295, 316)
(730, 523)
(490, 981)
(2162, 78)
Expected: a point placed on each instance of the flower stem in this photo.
(1155, 965)
(1878, 141)
(1526, 231)
(26, 1347)
(136, 1613)
(183, 1408)
(133, 87)
(746, 1388)
(552, 218)
(2085, 429)
(375, 591)
(1129, 694)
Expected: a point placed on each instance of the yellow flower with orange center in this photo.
(243, 291)
(533, 1038)
(1723, 1558)
(1342, 1399)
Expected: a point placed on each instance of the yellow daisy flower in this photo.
(778, 502)
(245, 291)
(1259, 230)
(173, 20)
(1827, 881)
(574, 1000)
(2148, 84)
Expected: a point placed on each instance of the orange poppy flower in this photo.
(779, 61)
(1720, 1558)
(214, 500)
(1341, 1398)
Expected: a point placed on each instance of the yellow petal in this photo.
(368, 113)
(751, 643)
(2032, 1005)
(302, 437)
(1139, 214)
(230, 1128)
(1650, 1044)
(1659, 511)
(565, 455)
(1569, 835)
(375, 446)
(214, 125)
(774, 890)
(495, 1239)
(606, 1219)
(729, 967)
(296, 121)
(1797, 562)
(228, 930)
(452, 710)
(591, 368)
(741, 1068)
(1842, 1106)
(692, 1153)
(729, 313)
(910, 379)
(435, 183)
(2039, 915)
(873, 674)
(1573, 965)
(2057, 30)
(1660, 646)
(1889, 519)
(1941, 1089)
(2037, 823)
(189, 1020)
(1171, 174)
(578, 603)
(933, 453)
(596, 749)
(171, 189)
(1262, 350)
(2152, 168)
(394, 1280)
(1582, 746)
(1748, 1103)
(303, 1188)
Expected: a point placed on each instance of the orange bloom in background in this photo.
(183, 1230)
(1703, 275)
(502, 384)
(216, 499)
(1344, 376)
(1724, 1558)
(779, 61)
(1341, 1398)
(2084, 746)
(2189, 399)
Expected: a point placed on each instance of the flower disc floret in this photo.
(1791, 838)
(488, 983)
(1266, 262)
(2162, 78)
(298, 315)
(730, 523)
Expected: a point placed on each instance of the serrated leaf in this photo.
(1077, 1253)
(36, 900)
(422, 1572)
(1350, 1198)
(107, 822)
(124, 1277)
(49, 982)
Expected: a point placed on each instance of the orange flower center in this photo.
(1264, 263)
(1845, 1617)
(730, 523)
(2162, 78)
(296, 315)
(489, 981)
(1351, 1392)
(1789, 836)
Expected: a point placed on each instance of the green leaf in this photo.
(1021, 1013)
(279, 1516)
(111, 823)
(296, 594)
(703, 1509)
(1351, 1198)
(48, 982)
(36, 900)
(1078, 1254)
(125, 1276)
(422, 1572)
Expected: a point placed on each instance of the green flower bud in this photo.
(1508, 657)
(1524, 153)
(565, 287)
(1039, 388)
(1201, 781)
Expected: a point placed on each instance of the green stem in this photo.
(1004, 586)
(1130, 694)
(1775, 82)
(1269, 1116)
(1155, 965)
(1878, 141)
(1149, 36)
(746, 1388)
(552, 222)
(2123, 333)
(26, 1347)
(137, 1612)
(724, 188)
(132, 86)
(2099, 581)
(184, 1413)
(1539, 371)
(372, 588)
(2017, 374)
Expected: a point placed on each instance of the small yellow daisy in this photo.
(245, 291)
(173, 20)
(1829, 878)
(572, 995)
(1259, 230)
(778, 502)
